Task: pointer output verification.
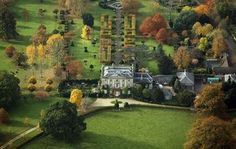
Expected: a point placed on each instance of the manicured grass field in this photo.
(24, 115)
(141, 128)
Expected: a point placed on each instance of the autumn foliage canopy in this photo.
(152, 25)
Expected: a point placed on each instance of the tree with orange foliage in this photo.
(182, 58)
(147, 27)
(202, 9)
(130, 6)
(210, 101)
(161, 36)
(219, 45)
(151, 25)
(10, 51)
(210, 133)
(74, 68)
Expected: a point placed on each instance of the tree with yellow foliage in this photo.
(41, 52)
(42, 56)
(196, 28)
(203, 43)
(55, 46)
(182, 58)
(76, 7)
(187, 8)
(76, 97)
(155, 6)
(31, 53)
(203, 30)
(86, 32)
(206, 29)
(219, 45)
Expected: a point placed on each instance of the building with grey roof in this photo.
(186, 79)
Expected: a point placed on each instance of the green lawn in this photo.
(24, 115)
(27, 29)
(141, 128)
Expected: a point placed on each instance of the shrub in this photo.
(146, 93)
(19, 59)
(48, 88)
(126, 105)
(10, 50)
(185, 98)
(4, 117)
(157, 95)
(117, 105)
(32, 80)
(31, 87)
(41, 95)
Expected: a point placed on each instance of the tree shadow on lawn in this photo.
(6, 136)
(17, 123)
(23, 27)
(21, 40)
(92, 140)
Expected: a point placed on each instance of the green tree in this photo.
(137, 91)
(224, 9)
(61, 120)
(185, 21)
(19, 59)
(157, 95)
(88, 19)
(210, 133)
(185, 98)
(146, 93)
(7, 24)
(178, 86)
(9, 89)
(164, 63)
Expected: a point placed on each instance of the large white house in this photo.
(117, 78)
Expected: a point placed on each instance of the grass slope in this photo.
(142, 128)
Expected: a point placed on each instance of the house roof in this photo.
(143, 77)
(222, 62)
(211, 63)
(117, 72)
(231, 76)
(224, 70)
(163, 79)
(186, 78)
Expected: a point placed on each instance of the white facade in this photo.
(117, 77)
(117, 83)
